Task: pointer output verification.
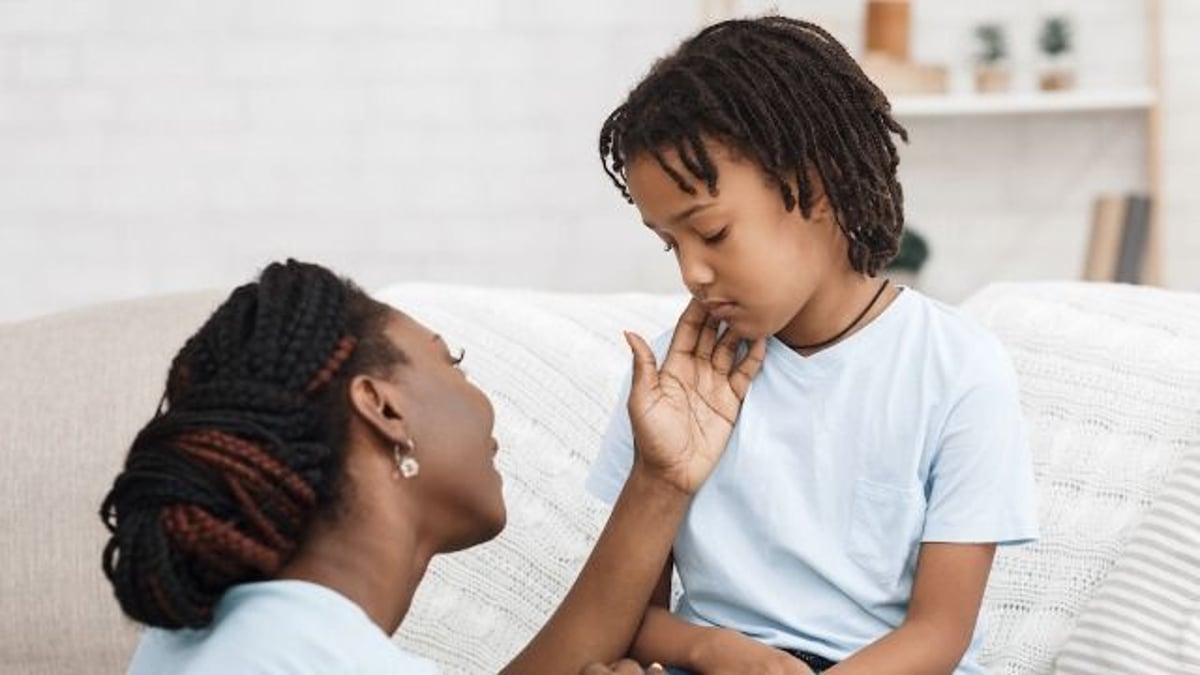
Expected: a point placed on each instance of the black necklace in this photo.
(847, 329)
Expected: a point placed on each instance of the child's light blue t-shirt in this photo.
(276, 628)
(840, 465)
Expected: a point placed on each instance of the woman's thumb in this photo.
(645, 368)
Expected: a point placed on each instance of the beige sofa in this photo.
(1110, 380)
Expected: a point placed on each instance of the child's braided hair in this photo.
(786, 94)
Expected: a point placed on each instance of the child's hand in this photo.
(683, 414)
(728, 652)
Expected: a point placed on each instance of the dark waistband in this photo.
(817, 663)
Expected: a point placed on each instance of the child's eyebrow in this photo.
(683, 215)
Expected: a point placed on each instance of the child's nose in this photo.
(696, 272)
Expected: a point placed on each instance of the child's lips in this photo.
(721, 310)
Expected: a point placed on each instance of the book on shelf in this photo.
(1104, 246)
(1120, 236)
(1134, 238)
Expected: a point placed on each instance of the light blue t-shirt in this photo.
(278, 627)
(840, 465)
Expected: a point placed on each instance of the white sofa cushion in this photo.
(1110, 386)
(1145, 616)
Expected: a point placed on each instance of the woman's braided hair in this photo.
(247, 446)
(786, 94)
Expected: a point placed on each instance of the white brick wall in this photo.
(154, 145)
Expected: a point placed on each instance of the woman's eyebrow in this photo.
(438, 338)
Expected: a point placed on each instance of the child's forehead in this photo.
(664, 203)
(681, 161)
(722, 158)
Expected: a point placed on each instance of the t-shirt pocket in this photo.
(884, 527)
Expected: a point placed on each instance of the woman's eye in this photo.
(668, 246)
(718, 237)
(457, 360)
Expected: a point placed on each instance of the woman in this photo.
(316, 448)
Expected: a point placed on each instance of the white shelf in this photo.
(1029, 103)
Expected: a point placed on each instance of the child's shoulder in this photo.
(946, 320)
(960, 337)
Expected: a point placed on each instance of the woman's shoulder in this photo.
(278, 627)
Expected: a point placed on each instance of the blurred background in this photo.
(150, 146)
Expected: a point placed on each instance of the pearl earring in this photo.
(406, 465)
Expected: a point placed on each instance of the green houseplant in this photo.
(905, 268)
(1055, 43)
(991, 69)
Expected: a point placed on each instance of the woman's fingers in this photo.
(687, 332)
(724, 352)
(747, 368)
(708, 338)
(627, 667)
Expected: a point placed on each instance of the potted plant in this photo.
(1055, 43)
(991, 69)
(905, 268)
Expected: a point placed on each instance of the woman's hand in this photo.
(728, 652)
(683, 413)
(622, 667)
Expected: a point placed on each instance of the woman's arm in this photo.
(665, 638)
(947, 593)
(597, 619)
(662, 637)
(682, 418)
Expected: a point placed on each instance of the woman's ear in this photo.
(379, 405)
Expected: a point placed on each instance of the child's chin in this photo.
(747, 330)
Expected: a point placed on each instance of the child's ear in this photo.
(820, 203)
(822, 209)
(819, 199)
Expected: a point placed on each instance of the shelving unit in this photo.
(1144, 100)
(1023, 104)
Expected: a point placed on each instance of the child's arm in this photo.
(664, 638)
(947, 592)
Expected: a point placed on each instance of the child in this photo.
(880, 456)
